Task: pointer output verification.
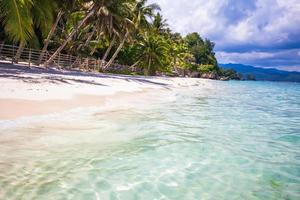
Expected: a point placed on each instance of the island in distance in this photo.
(263, 74)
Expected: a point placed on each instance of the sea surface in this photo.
(221, 140)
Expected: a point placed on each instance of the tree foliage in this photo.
(129, 32)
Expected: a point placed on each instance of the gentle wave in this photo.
(236, 140)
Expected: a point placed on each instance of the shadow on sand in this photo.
(52, 75)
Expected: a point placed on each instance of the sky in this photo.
(262, 33)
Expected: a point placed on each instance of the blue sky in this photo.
(262, 33)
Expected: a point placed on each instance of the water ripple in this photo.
(237, 140)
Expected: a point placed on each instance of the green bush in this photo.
(207, 68)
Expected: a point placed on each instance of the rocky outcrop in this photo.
(210, 75)
(123, 69)
(195, 75)
(224, 78)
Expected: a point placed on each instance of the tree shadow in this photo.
(8, 70)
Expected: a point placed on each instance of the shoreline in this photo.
(26, 92)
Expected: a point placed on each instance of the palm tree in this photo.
(159, 23)
(111, 8)
(50, 34)
(63, 8)
(89, 13)
(108, 24)
(22, 17)
(153, 50)
(127, 25)
(143, 12)
(137, 21)
(17, 21)
(113, 40)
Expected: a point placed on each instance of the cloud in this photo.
(248, 26)
(280, 59)
(258, 23)
(289, 68)
(228, 57)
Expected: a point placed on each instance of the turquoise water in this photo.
(231, 140)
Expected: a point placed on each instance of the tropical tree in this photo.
(132, 32)
(17, 20)
(136, 21)
(89, 13)
(108, 25)
(201, 49)
(127, 25)
(50, 34)
(181, 57)
(21, 18)
(160, 24)
(62, 7)
(153, 50)
(112, 9)
(144, 12)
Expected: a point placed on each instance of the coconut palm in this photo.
(153, 50)
(63, 8)
(89, 13)
(143, 12)
(112, 8)
(159, 23)
(22, 17)
(127, 25)
(17, 20)
(108, 24)
(50, 34)
(136, 21)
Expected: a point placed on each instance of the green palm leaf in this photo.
(16, 19)
(43, 16)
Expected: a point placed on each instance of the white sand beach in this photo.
(33, 91)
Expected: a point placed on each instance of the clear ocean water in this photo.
(231, 140)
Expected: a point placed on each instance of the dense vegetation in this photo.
(127, 32)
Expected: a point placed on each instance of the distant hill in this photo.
(262, 74)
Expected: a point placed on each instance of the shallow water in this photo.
(231, 140)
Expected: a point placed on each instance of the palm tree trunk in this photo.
(174, 65)
(117, 51)
(19, 52)
(90, 37)
(99, 38)
(53, 28)
(69, 38)
(149, 67)
(108, 50)
(135, 64)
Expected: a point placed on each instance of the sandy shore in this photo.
(32, 91)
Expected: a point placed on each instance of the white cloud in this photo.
(226, 57)
(287, 68)
(257, 27)
(282, 58)
(192, 16)
(235, 22)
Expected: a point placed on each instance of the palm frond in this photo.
(17, 21)
(43, 16)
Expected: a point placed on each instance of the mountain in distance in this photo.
(263, 74)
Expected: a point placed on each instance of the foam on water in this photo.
(235, 140)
